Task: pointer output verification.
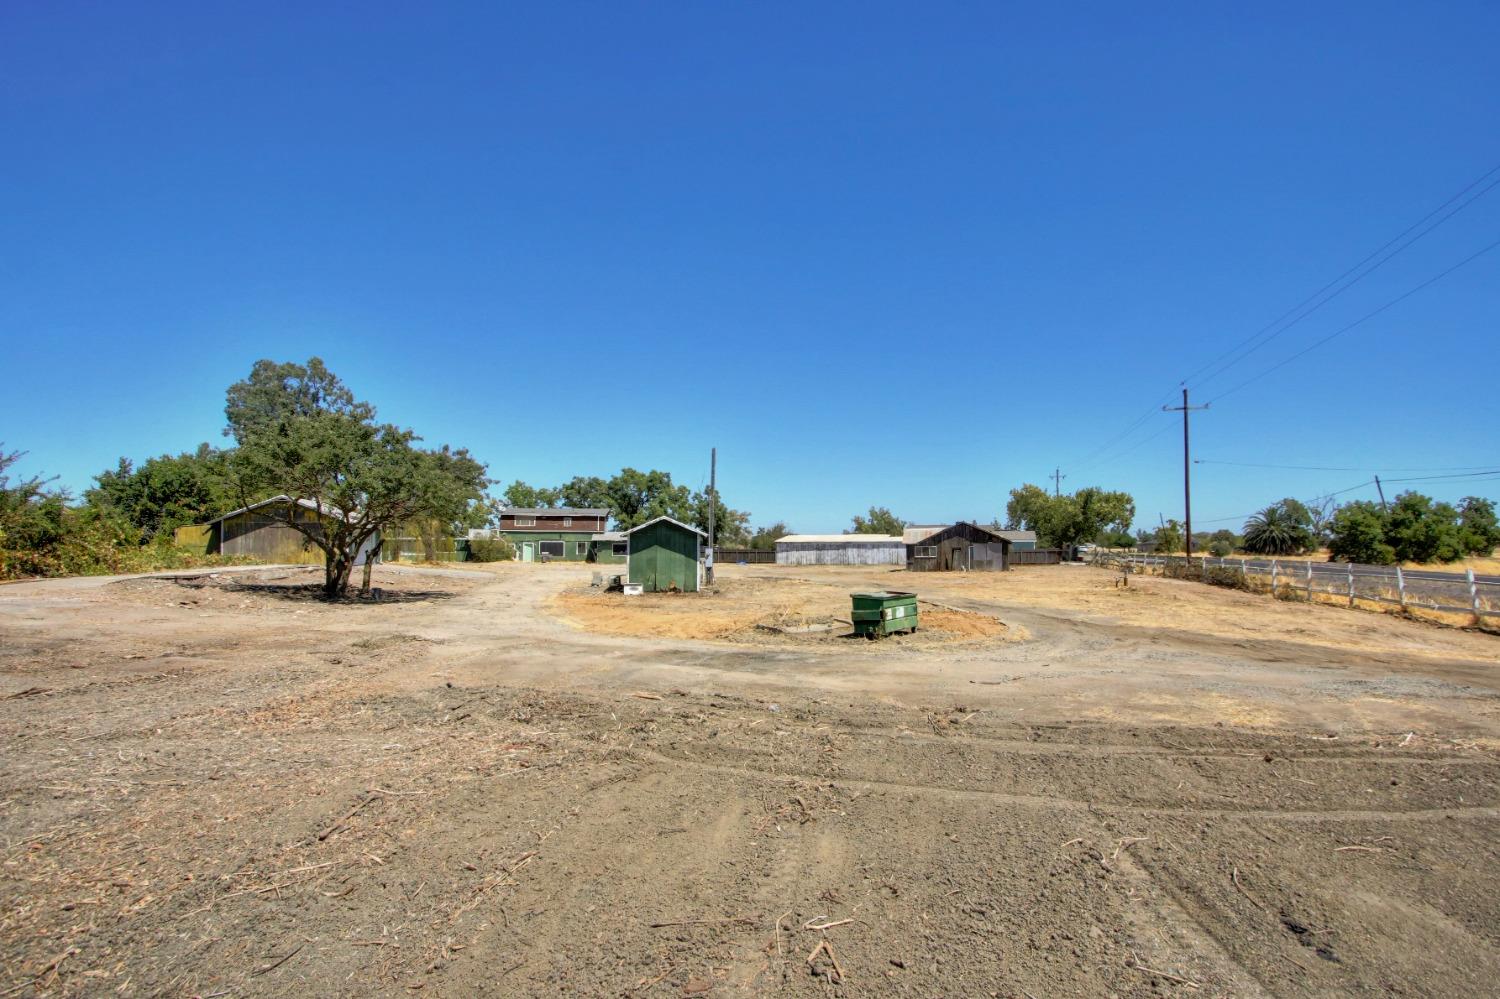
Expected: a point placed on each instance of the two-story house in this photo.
(553, 533)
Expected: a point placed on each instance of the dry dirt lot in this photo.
(494, 782)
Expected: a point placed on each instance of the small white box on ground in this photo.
(632, 589)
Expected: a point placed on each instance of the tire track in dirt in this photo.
(1046, 801)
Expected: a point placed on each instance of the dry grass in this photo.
(751, 609)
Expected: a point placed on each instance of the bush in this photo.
(491, 550)
(1358, 535)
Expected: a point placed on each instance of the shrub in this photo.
(1358, 534)
(491, 550)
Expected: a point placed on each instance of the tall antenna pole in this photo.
(713, 509)
(1187, 466)
(1057, 477)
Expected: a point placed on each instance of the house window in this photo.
(926, 551)
(554, 549)
(525, 521)
(620, 549)
(567, 521)
(580, 548)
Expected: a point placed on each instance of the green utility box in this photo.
(884, 612)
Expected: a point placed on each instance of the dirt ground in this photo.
(488, 782)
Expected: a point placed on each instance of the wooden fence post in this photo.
(1351, 583)
(1275, 573)
(1309, 581)
(1474, 597)
(1401, 587)
(1244, 575)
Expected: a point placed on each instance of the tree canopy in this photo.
(302, 434)
(1284, 528)
(1069, 519)
(879, 521)
(166, 492)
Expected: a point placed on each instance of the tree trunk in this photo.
(369, 565)
(336, 576)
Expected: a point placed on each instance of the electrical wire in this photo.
(1339, 468)
(1360, 321)
(1381, 263)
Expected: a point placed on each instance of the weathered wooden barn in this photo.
(253, 530)
(666, 555)
(964, 546)
(840, 549)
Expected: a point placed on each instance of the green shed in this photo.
(665, 555)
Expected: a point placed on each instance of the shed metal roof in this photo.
(828, 539)
(306, 504)
(610, 536)
(670, 520)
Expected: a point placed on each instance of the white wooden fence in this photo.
(1330, 582)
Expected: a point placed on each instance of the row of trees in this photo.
(1415, 528)
(1091, 514)
(634, 497)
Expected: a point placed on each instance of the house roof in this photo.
(306, 504)
(610, 536)
(991, 531)
(1010, 535)
(670, 520)
(554, 511)
(828, 539)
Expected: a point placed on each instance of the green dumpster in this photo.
(884, 612)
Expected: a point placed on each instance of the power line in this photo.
(1381, 263)
(1340, 468)
(1361, 320)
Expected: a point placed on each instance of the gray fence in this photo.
(1350, 583)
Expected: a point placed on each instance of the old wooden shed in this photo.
(665, 555)
(259, 530)
(839, 549)
(964, 546)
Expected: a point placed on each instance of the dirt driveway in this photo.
(217, 785)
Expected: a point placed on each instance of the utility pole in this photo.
(1057, 477)
(1379, 489)
(1187, 465)
(713, 509)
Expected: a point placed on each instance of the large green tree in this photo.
(1421, 530)
(879, 521)
(316, 442)
(1479, 528)
(522, 495)
(1357, 534)
(1067, 520)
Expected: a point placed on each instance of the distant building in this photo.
(666, 555)
(840, 549)
(610, 547)
(963, 546)
(553, 534)
(1020, 541)
(254, 530)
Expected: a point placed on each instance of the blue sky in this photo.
(909, 255)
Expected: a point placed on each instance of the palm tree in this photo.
(1274, 531)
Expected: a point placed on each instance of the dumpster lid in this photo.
(884, 594)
